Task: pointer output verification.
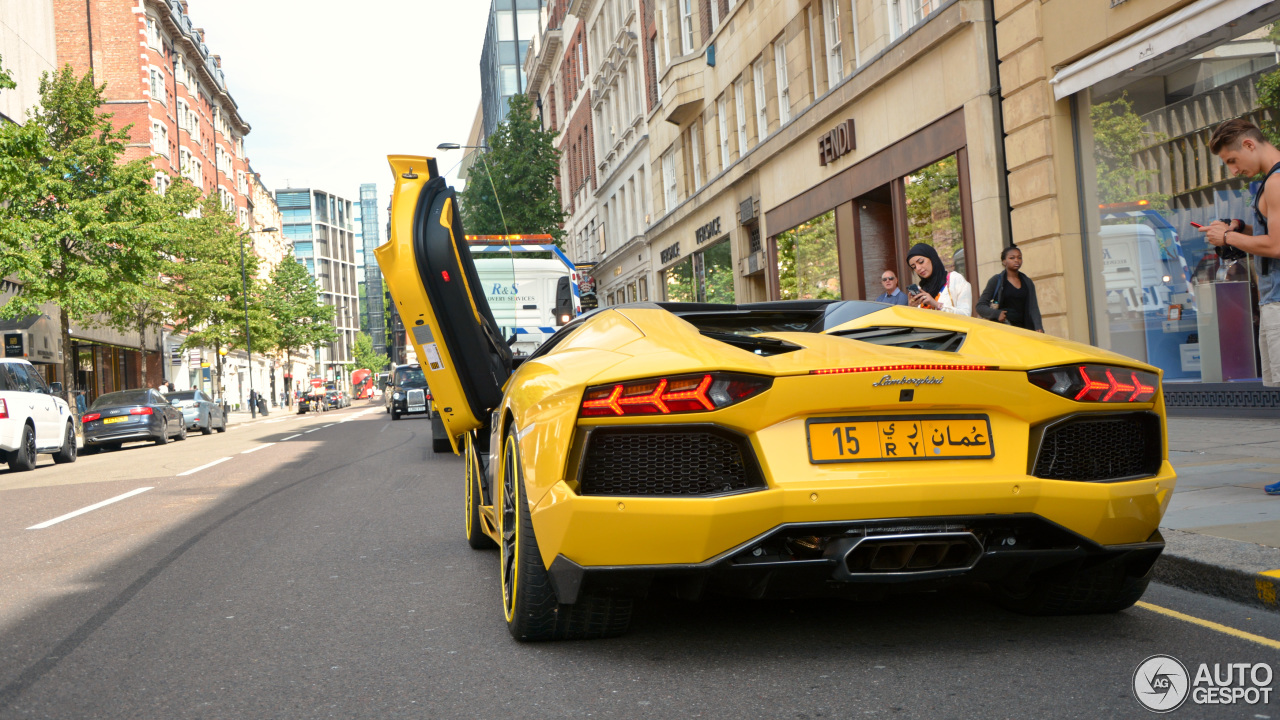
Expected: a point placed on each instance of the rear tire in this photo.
(163, 438)
(68, 452)
(24, 458)
(395, 414)
(1074, 590)
(532, 610)
(475, 529)
(207, 427)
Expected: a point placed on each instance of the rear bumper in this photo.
(100, 434)
(816, 559)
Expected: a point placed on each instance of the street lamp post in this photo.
(487, 172)
(248, 340)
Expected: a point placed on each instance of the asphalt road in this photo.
(326, 575)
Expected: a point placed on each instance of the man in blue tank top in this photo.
(1246, 152)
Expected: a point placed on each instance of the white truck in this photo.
(531, 297)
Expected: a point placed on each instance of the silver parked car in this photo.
(199, 411)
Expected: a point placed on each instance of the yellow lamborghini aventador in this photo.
(777, 449)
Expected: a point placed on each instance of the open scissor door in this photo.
(435, 287)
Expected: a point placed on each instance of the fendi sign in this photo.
(837, 143)
(708, 231)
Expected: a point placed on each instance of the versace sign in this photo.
(670, 253)
(708, 231)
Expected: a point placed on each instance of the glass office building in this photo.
(506, 42)
(321, 227)
(372, 273)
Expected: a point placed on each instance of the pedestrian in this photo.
(1246, 152)
(1010, 296)
(170, 386)
(892, 294)
(940, 289)
(82, 405)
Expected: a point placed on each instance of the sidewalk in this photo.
(1222, 532)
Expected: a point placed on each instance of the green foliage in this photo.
(1269, 98)
(293, 302)
(809, 261)
(365, 357)
(521, 166)
(76, 223)
(933, 210)
(1118, 134)
(6, 80)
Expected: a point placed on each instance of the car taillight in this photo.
(4, 408)
(1098, 383)
(90, 417)
(140, 411)
(702, 392)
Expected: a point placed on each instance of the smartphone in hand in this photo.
(913, 289)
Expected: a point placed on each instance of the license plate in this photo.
(108, 421)
(881, 438)
(417, 408)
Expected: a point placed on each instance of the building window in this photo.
(160, 138)
(162, 182)
(906, 14)
(669, 190)
(157, 86)
(762, 115)
(715, 14)
(153, 33)
(704, 276)
(654, 87)
(740, 109)
(784, 82)
(686, 26)
(722, 119)
(834, 35)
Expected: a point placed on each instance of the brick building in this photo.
(163, 80)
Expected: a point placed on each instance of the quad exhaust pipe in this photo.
(905, 557)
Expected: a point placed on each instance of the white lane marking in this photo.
(329, 425)
(310, 431)
(291, 437)
(384, 427)
(202, 467)
(256, 449)
(91, 508)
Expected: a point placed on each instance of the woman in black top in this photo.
(1010, 297)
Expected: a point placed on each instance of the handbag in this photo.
(995, 300)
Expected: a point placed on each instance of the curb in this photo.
(1229, 569)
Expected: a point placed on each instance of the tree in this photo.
(150, 302)
(522, 164)
(365, 357)
(809, 261)
(293, 301)
(76, 223)
(208, 290)
(1118, 135)
(6, 80)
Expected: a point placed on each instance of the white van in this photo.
(1136, 278)
(33, 419)
(525, 295)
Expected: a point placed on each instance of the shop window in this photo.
(679, 282)
(1160, 293)
(716, 279)
(809, 260)
(933, 212)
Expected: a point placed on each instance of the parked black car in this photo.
(407, 392)
(131, 415)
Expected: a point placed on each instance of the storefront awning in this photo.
(1152, 41)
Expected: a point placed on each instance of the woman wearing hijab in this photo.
(939, 289)
(1010, 297)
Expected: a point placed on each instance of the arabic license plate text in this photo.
(108, 421)
(835, 440)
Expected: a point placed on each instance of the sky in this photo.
(331, 87)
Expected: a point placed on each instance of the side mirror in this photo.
(55, 388)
